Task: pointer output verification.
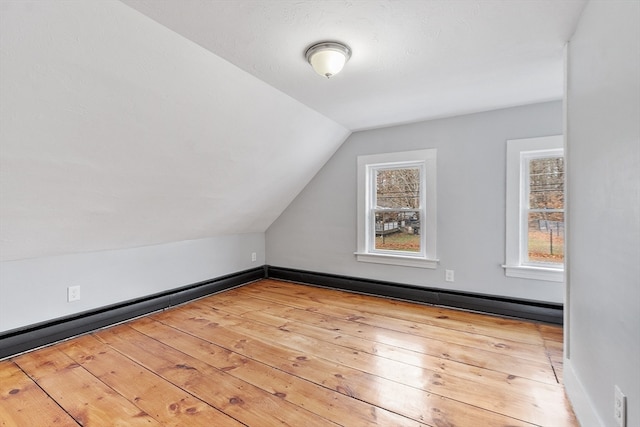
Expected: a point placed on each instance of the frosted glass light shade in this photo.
(328, 58)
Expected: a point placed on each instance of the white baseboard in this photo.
(582, 406)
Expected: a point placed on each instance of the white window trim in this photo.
(517, 181)
(426, 159)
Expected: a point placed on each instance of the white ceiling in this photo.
(412, 59)
(200, 118)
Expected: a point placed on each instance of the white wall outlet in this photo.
(448, 275)
(620, 408)
(254, 257)
(73, 293)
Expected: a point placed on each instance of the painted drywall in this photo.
(603, 164)
(412, 59)
(317, 232)
(35, 290)
(117, 132)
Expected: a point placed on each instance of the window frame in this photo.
(519, 153)
(367, 165)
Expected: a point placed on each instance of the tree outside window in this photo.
(397, 209)
(545, 212)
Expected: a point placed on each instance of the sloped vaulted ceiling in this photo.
(412, 59)
(117, 132)
(137, 122)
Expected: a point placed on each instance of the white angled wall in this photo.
(116, 132)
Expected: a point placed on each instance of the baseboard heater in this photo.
(41, 334)
(24, 339)
(511, 307)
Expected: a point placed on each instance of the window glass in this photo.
(397, 209)
(398, 231)
(398, 188)
(545, 222)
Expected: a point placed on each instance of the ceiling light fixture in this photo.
(328, 58)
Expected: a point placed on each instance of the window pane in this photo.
(398, 231)
(546, 237)
(398, 188)
(546, 183)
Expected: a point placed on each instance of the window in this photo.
(535, 209)
(397, 208)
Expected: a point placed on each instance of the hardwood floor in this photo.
(275, 353)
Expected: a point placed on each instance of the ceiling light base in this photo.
(328, 58)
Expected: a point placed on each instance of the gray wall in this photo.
(35, 290)
(317, 232)
(603, 162)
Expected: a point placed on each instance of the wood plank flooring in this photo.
(273, 353)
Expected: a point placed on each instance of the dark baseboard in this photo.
(24, 339)
(34, 336)
(521, 309)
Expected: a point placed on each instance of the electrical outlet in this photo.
(448, 275)
(73, 293)
(254, 257)
(620, 408)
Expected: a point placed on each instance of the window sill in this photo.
(535, 273)
(397, 260)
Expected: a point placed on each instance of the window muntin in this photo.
(397, 208)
